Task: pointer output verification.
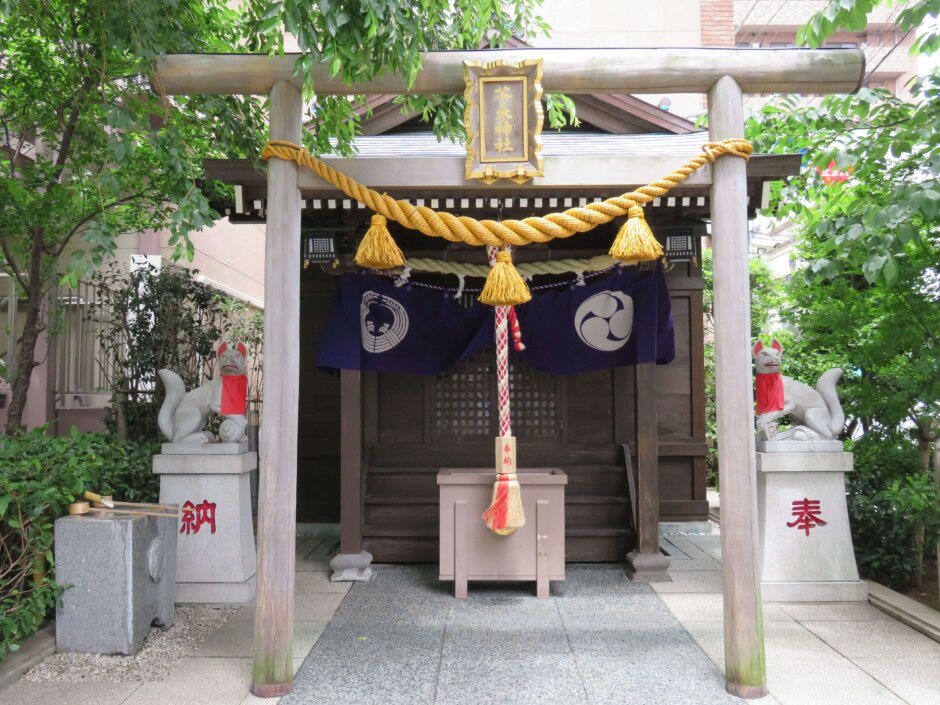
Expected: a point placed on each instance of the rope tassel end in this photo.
(504, 286)
(505, 514)
(378, 249)
(635, 242)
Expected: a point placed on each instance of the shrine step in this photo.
(421, 545)
(598, 545)
(470, 455)
(587, 480)
(581, 512)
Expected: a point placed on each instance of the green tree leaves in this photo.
(891, 200)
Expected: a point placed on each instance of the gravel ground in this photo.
(162, 650)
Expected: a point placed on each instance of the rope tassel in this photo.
(505, 514)
(504, 286)
(635, 242)
(378, 249)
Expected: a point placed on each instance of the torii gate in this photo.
(725, 75)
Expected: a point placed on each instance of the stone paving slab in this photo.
(318, 582)
(207, 681)
(695, 557)
(825, 681)
(691, 581)
(599, 640)
(913, 678)
(532, 677)
(709, 607)
(304, 566)
(51, 693)
(236, 639)
(402, 638)
(626, 681)
(875, 639)
(781, 640)
(833, 612)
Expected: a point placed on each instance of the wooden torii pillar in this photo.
(725, 75)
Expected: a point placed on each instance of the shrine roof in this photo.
(554, 144)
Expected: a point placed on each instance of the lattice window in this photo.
(532, 399)
(465, 400)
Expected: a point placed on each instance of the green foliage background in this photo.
(864, 294)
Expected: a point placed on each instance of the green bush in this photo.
(40, 476)
(894, 509)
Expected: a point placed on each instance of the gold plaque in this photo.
(503, 119)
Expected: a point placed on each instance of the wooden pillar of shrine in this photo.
(646, 563)
(745, 668)
(273, 670)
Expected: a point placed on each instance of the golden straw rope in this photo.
(506, 232)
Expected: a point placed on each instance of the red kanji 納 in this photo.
(195, 515)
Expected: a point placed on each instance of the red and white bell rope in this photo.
(505, 514)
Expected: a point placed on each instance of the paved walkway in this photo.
(599, 639)
(817, 653)
(402, 639)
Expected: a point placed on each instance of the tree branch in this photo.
(68, 133)
(88, 218)
(14, 266)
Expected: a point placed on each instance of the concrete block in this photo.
(788, 446)
(804, 462)
(814, 591)
(122, 573)
(205, 448)
(205, 464)
(216, 559)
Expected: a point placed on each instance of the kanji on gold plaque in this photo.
(503, 120)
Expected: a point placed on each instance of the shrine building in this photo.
(370, 444)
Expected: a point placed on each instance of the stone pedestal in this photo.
(216, 559)
(647, 567)
(806, 546)
(351, 567)
(119, 573)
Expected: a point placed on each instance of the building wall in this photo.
(774, 23)
(229, 256)
(628, 23)
(717, 17)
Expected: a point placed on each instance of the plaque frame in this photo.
(482, 160)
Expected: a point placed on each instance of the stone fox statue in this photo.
(183, 414)
(818, 411)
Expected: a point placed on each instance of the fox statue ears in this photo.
(760, 346)
(238, 346)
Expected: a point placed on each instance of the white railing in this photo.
(79, 367)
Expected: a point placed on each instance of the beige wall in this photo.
(627, 23)
(229, 256)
